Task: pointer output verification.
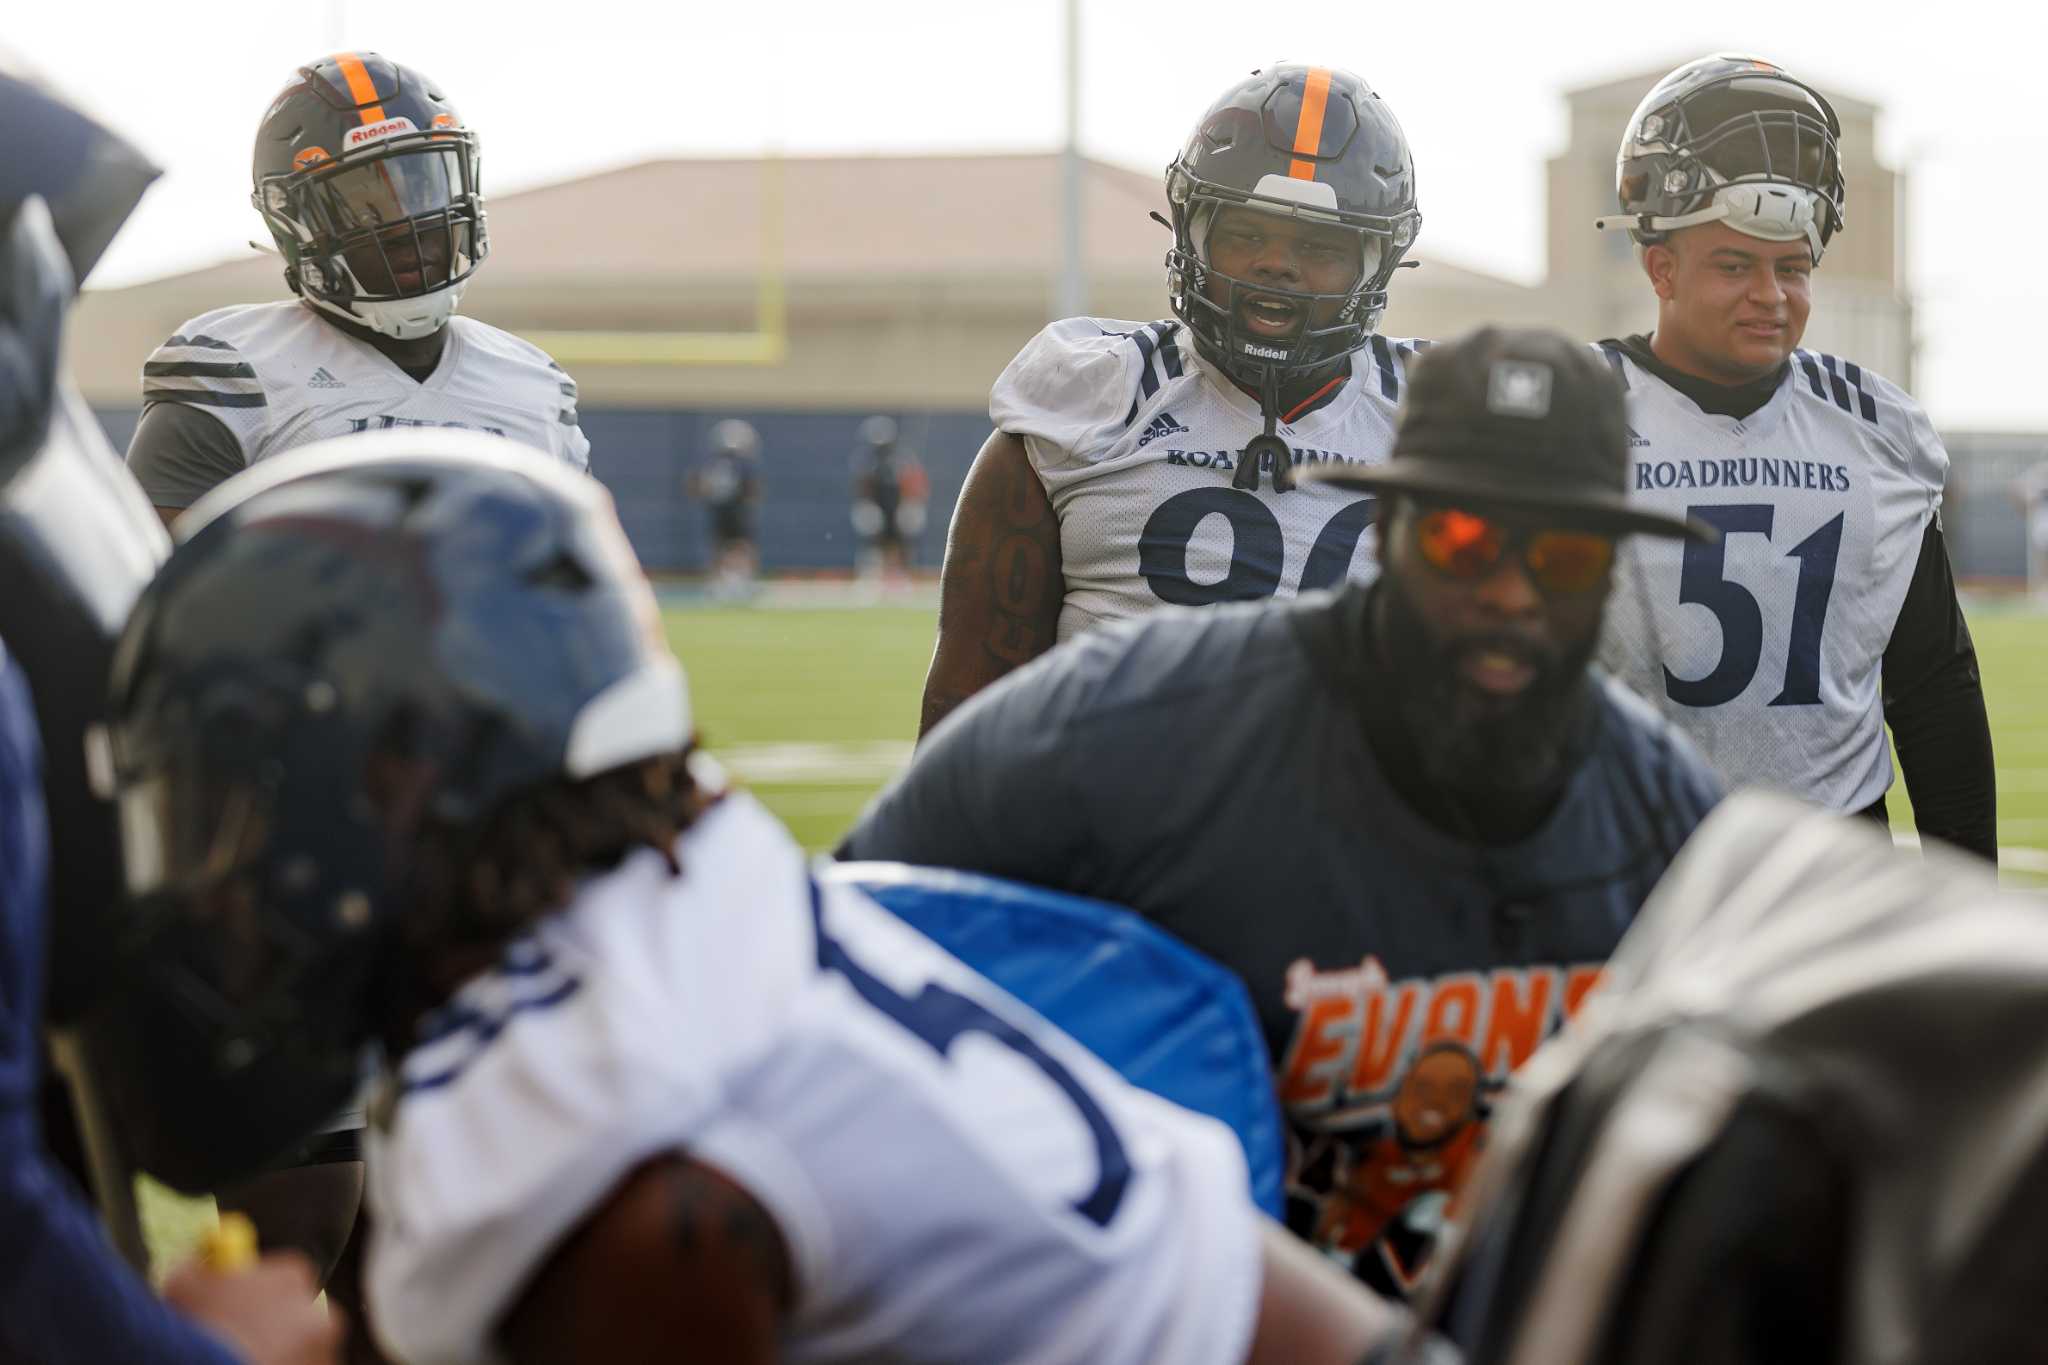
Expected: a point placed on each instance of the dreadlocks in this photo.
(474, 892)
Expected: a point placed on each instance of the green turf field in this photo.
(813, 708)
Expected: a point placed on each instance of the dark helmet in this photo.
(879, 432)
(364, 173)
(360, 641)
(735, 437)
(1310, 142)
(77, 537)
(1805, 1118)
(1731, 138)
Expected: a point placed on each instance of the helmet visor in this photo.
(392, 189)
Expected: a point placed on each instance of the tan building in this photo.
(905, 280)
(909, 281)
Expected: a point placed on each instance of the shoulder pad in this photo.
(203, 363)
(1081, 382)
(1870, 397)
(1387, 359)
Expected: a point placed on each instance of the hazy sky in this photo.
(564, 87)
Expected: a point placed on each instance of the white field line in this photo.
(818, 764)
(2031, 861)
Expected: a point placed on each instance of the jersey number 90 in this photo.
(1257, 547)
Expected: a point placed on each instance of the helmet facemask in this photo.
(386, 239)
(1257, 360)
(1316, 348)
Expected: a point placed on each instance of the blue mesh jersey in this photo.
(1210, 769)
(1766, 647)
(953, 1179)
(1136, 439)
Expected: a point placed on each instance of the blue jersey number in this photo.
(939, 1016)
(1702, 580)
(1257, 547)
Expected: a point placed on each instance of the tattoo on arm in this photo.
(677, 1253)
(1001, 588)
(714, 1217)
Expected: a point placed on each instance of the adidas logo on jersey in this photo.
(1636, 439)
(1162, 425)
(323, 380)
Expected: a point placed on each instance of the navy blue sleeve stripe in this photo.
(1812, 374)
(566, 416)
(1146, 348)
(1169, 349)
(1613, 354)
(197, 369)
(1132, 415)
(486, 1031)
(1864, 402)
(203, 398)
(1836, 383)
(210, 343)
(1383, 360)
(568, 389)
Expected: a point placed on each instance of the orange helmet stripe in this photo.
(364, 90)
(1308, 129)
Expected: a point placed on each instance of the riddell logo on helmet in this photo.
(1265, 352)
(372, 132)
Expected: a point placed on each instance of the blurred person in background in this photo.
(728, 483)
(890, 489)
(1827, 609)
(1140, 464)
(77, 543)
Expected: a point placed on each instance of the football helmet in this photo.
(1309, 142)
(362, 640)
(1731, 139)
(1801, 1120)
(737, 437)
(878, 432)
(368, 182)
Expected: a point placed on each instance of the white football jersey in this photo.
(955, 1179)
(1137, 440)
(278, 377)
(1766, 648)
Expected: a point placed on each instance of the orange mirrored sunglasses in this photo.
(1468, 547)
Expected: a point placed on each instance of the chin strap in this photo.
(1267, 443)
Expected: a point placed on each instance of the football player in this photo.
(1140, 463)
(366, 177)
(1827, 607)
(729, 486)
(1800, 1122)
(403, 760)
